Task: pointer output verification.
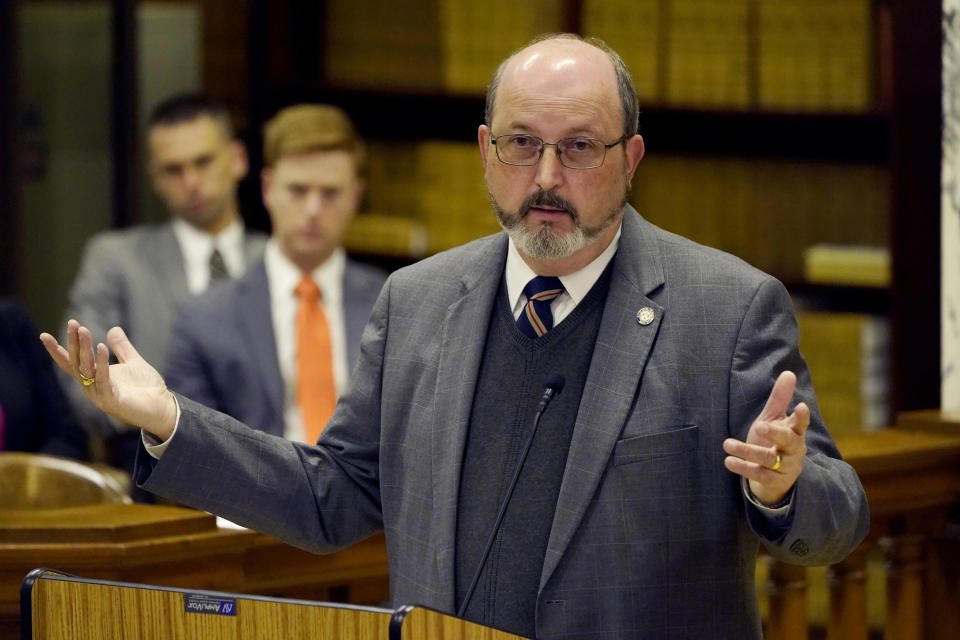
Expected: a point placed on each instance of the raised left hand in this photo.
(131, 391)
(772, 457)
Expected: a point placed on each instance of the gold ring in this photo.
(84, 380)
(776, 465)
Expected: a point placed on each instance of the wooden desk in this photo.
(171, 546)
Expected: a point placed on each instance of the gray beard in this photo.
(545, 242)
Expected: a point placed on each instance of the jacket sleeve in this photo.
(829, 515)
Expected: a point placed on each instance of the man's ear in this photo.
(360, 188)
(241, 162)
(483, 139)
(266, 179)
(635, 149)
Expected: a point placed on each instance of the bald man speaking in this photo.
(581, 427)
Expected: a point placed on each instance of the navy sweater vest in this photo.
(512, 377)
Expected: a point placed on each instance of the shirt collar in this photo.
(285, 276)
(197, 245)
(576, 284)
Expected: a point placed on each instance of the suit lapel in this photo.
(356, 310)
(464, 332)
(619, 357)
(256, 325)
(253, 245)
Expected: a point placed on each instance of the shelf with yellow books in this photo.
(847, 264)
(425, 197)
(848, 357)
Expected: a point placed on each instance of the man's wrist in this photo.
(152, 443)
(167, 424)
(779, 505)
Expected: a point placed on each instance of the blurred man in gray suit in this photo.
(239, 349)
(136, 277)
(686, 431)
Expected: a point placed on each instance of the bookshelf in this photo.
(882, 137)
(770, 95)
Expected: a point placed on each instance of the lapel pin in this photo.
(645, 316)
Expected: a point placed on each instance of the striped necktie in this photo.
(537, 318)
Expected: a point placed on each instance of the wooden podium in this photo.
(177, 547)
(55, 606)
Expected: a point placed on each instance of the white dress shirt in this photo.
(197, 246)
(575, 285)
(283, 277)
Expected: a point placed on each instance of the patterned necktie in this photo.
(537, 318)
(218, 268)
(316, 394)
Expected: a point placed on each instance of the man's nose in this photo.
(549, 169)
(191, 178)
(313, 204)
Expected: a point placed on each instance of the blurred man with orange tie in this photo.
(275, 347)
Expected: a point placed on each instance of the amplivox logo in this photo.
(199, 603)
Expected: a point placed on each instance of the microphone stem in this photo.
(504, 504)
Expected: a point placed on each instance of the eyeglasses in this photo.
(523, 150)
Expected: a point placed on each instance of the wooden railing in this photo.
(911, 473)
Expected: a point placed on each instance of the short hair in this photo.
(187, 107)
(303, 128)
(628, 93)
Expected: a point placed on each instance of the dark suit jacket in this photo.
(651, 538)
(223, 353)
(36, 413)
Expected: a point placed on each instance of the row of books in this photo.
(847, 354)
(775, 214)
(797, 55)
(766, 211)
(422, 198)
(793, 55)
(852, 264)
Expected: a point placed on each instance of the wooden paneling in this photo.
(67, 610)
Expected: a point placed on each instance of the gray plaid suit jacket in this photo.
(652, 537)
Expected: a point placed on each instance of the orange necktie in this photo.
(316, 393)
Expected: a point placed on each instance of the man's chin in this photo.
(546, 242)
(198, 217)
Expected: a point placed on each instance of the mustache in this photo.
(541, 198)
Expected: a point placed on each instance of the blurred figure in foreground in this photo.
(34, 414)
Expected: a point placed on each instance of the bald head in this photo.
(569, 63)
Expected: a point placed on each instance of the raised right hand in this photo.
(131, 391)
